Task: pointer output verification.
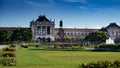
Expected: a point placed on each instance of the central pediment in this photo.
(113, 25)
(42, 19)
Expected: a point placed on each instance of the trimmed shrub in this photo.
(8, 53)
(108, 47)
(102, 64)
(36, 46)
(10, 49)
(8, 61)
(24, 46)
(8, 56)
(13, 46)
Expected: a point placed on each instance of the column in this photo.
(36, 30)
(46, 30)
(51, 31)
(41, 30)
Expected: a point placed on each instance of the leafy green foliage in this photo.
(8, 56)
(4, 36)
(8, 61)
(97, 37)
(108, 47)
(22, 34)
(102, 64)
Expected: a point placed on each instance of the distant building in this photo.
(113, 30)
(11, 29)
(75, 32)
(44, 30)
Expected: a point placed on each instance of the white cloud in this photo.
(82, 1)
(39, 4)
(82, 7)
(32, 3)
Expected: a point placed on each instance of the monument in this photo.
(109, 41)
(61, 31)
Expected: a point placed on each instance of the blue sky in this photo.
(74, 13)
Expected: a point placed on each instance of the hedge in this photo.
(8, 53)
(108, 47)
(101, 64)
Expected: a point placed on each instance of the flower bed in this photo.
(8, 53)
(102, 64)
(8, 56)
(8, 61)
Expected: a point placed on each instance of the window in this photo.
(68, 33)
(86, 34)
(74, 33)
(39, 30)
(65, 33)
(82, 33)
(43, 30)
(48, 30)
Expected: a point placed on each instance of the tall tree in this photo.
(4, 36)
(97, 37)
(22, 34)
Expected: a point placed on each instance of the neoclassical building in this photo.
(113, 30)
(44, 30)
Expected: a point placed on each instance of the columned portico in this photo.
(43, 28)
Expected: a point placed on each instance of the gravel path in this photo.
(3, 46)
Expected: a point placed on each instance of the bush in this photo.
(102, 64)
(36, 46)
(117, 63)
(8, 53)
(8, 56)
(13, 46)
(108, 47)
(24, 46)
(10, 49)
(8, 61)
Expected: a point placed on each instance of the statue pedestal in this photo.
(109, 41)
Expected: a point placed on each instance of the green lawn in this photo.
(27, 58)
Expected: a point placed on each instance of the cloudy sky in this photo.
(74, 13)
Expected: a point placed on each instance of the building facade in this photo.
(44, 30)
(113, 31)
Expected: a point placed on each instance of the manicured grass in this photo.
(27, 58)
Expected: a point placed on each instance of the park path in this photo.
(3, 46)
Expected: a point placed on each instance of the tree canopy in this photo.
(4, 36)
(22, 34)
(97, 37)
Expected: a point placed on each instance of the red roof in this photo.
(11, 28)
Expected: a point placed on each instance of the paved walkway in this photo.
(3, 46)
